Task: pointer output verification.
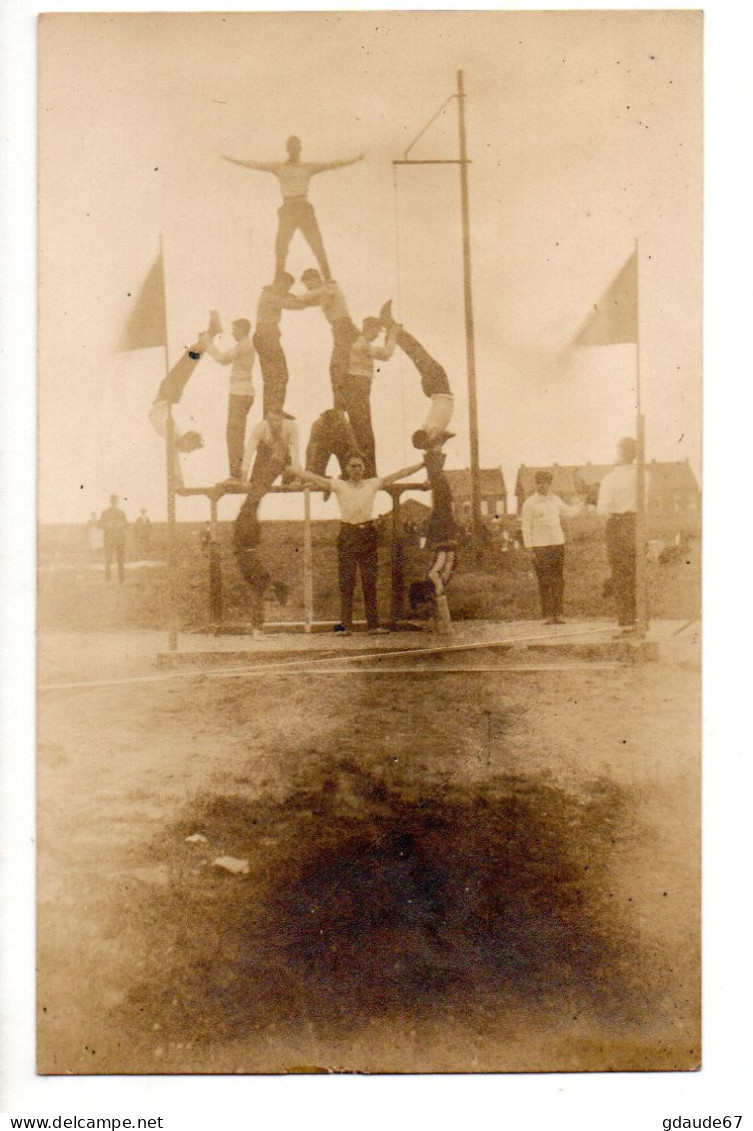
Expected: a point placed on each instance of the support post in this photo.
(469, 338)
(641, 578)
(641, 573)
(172, 619)
(215, 567)
(308, 564)
(397, 559)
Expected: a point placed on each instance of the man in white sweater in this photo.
(241, 358)
(543, 535)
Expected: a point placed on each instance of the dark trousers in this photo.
(357, 394)
(549, 563)
(238, 409)
(331, 435)
(114, 549)
(273, 365)
(299, 215)
(433, 377)
(268, 464)
(358, 549)
(344, 333)
(620, 539)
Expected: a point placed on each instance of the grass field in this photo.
(467, 871)
(73, 593)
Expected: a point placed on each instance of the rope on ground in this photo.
(306, 664)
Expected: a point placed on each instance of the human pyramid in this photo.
(345, 430)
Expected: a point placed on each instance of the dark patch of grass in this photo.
(367, 899)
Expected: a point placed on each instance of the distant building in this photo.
(493, 493)
(674, 497)
(411, 510)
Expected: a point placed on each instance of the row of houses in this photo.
(674, 497)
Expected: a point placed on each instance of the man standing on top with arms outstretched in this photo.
(296, 212)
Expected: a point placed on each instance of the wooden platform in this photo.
(291, 644)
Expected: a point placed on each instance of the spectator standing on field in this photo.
(543, 535)
(142, 530)
(113, 523)
(617, 502)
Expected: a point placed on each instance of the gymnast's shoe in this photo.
(379, 631)
(385, 314)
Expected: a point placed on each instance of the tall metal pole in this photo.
(308, 564)
(469, 339)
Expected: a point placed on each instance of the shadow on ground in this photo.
(366, 900)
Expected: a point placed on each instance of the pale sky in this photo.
(584, 129)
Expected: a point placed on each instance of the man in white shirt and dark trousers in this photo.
(617, 503)
(272, 361)
(358, 540)
(296, 213)
(543, 535)
(241, 357)
(357, 388)
(331, 299)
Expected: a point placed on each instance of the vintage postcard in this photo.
(369, 542)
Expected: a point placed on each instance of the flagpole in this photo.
(641, 593)
(172, 629)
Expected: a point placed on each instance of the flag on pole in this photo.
(147, 323)
(615, 318)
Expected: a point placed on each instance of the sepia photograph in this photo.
(369, 543)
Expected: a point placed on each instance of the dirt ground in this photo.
(481, 870)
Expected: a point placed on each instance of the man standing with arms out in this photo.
(542, 533)
(296, 212)
(272, 361)
(358, 541)
(112, 523)
(617, 503)
(241, 358)
(330, 298)
(363, 353)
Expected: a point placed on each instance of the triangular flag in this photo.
(615, 318)
(147, 322)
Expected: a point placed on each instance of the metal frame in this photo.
(218, 491)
